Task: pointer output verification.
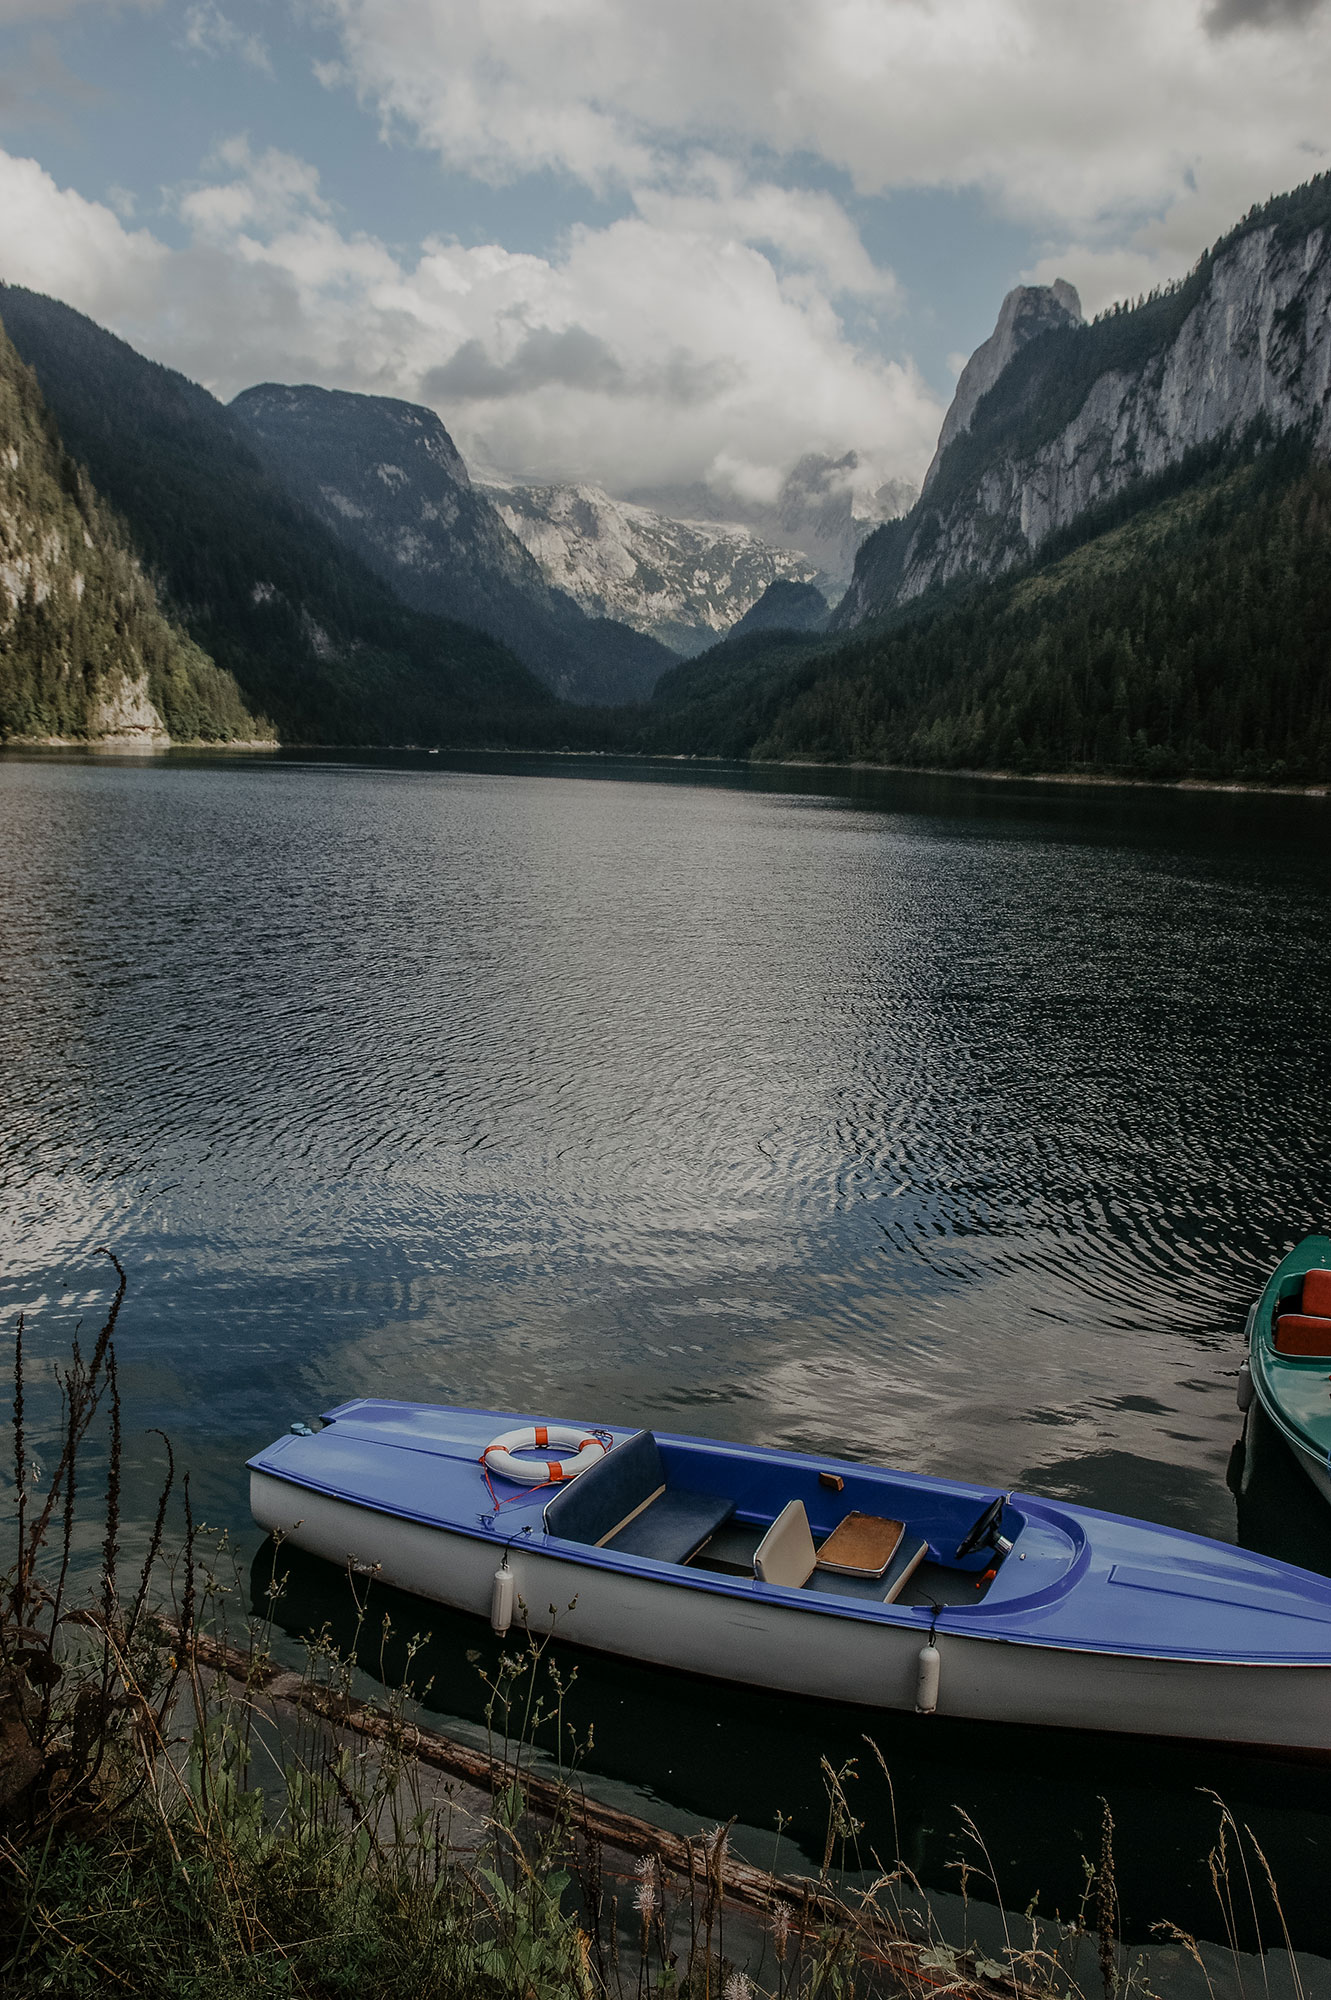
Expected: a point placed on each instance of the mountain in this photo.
(1069, 416)
(1183, 630)
(784, 607)
(86, 651)
(683, 581)
(825, 508)
(313, 638)
(386, 478)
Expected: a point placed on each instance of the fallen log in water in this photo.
(811, 1903)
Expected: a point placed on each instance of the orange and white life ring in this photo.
(586, 1449)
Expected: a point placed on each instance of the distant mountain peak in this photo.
(684, 581)
(415, 430)
(1026, 312)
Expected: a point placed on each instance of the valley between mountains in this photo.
(1119, 563)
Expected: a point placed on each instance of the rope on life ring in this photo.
(586, 1449)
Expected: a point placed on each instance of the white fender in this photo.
(1247, 1388)
(928, 1673)
(501, 1600)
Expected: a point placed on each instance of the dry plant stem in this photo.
(1218, 1863)
(111, 1541)
(155, 1539)
(1252, 1897)
(974, 1832)
(1106, 1901)
(16, 1605)
(84, 1389)
(1295, 1976)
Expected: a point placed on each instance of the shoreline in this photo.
(124, 746)
(1315, 790)
(138, 746)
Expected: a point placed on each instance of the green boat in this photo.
(1289, 1356)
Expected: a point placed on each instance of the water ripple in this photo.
(934, 1125)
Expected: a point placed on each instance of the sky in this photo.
(641, 243)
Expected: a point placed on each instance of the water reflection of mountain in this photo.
(689, 1752)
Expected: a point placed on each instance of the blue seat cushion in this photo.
(673, 1527)
(601, 1499)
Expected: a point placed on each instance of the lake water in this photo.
(934, 1122)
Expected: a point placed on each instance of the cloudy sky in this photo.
(638, 243)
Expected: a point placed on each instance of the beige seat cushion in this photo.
(786, 1554)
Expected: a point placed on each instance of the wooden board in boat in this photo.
(863, 1545)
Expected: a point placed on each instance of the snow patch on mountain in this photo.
(823, 509)
(686, 582)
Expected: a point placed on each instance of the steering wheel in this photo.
(983, 1534)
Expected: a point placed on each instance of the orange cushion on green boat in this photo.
(1317, 1293)
(1300, 1333)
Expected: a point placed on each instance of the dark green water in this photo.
(936, 1123)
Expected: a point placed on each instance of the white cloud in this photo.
(1075, 114)
(210, 32)
(705, 333)
(54, 241)
(696, 337)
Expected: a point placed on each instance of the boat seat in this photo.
(786, 1554)
(1316, 1294)
(623, 1503)
(1302, 1333)
(674, 1526)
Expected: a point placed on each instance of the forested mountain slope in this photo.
(784, 607)
(1081, 414)
(314, 640)
(1184, 631)
(86, 652)
(386, 478)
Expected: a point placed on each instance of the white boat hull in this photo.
(797, 1650)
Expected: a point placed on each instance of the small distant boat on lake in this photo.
(813, 1576)
(1288, 1366)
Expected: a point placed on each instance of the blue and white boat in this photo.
(814, 1576)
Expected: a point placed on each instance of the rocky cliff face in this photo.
(86, 652)
(1078, 414)
(386, 477)
(684, 582)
